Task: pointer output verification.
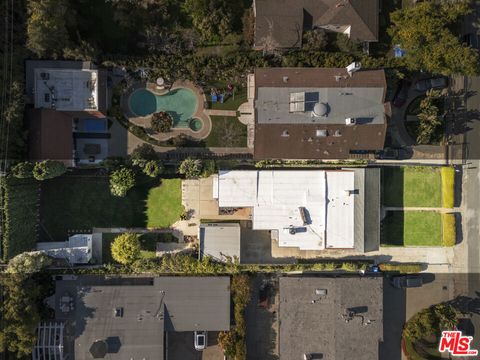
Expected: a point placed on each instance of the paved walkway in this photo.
(437, 209)
(216, 112)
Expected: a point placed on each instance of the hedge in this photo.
(404, 268)
(448, 186)
(449, 233)
(21, 215)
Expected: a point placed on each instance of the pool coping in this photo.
(144, 121)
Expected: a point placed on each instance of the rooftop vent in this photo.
(337, 133)
(285, 79)
(285, 133)
(118, 312)
(349, 121)
(321, 133)
(322, 292)
(353, 67)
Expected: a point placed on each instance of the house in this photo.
(280, 24)
(318, 113)
(126, 318)
(77, 250)
(330, 318)
(66, 116)
(221, 241)
(307, 209)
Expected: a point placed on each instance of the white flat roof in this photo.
(220, 240)
(66, 89)
(276, 197)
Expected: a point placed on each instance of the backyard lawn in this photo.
(79, 203)
(412, 186)
(226, 132)
(412, 228)
(231, 102)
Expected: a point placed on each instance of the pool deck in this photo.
(199, 113)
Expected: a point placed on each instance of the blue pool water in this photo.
(179, 103)
(94, 125)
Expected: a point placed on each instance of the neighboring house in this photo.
(280, 24)
(318, 113)
(77, 250)
(131, 318)
(330, 318)
(307, 209)
(220, 241)
(67, 121)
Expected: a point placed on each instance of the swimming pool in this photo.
(179, 103)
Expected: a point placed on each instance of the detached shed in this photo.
(220, 241)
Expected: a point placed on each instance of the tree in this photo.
(347, 45)
(161, 122)
(424, 31)
(191, 168)
(430, 119)
(315, 40)
(28, 263)
(121, 181)
(143, 153)
(47, 34)
(126, 248)
(153, 168)
(48, 169)
(23, 170)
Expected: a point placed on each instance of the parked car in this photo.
(391, 154)
(407, 281)
(401, 96)
(431, 83)
(200, 338)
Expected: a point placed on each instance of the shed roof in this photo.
(220, 240)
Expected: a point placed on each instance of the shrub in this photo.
(315, 40)
(448, 186)
(153, 168)
(191, 168)
(23, 170)
(347, 45)
(28, 263)
(48, 169)
(121, 181)
(161, 122)
(126, 248)
(449, 233)
(142, 154)
(21, 215)
(112, 163)
(401, 268)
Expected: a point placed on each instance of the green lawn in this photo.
(75, 203)
(227, 132)
(164, 204)
(148, 242)
(412, 228)
(411, 186)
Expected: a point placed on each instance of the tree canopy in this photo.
(126, 248)
(426, 32)
(121, 181)
(48, 169)
(191, 168)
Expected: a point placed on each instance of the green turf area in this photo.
(226, 132)
(411, 186)
(164, 204)
(72, 203)
(412, 228)
(148, 242)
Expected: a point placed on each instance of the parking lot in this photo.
(180, 347)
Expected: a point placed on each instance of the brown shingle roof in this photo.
(50, 135)
(280, 23)
(300, 140)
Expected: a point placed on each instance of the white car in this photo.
(200, 339)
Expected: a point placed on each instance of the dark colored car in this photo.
(431, 83)
(407, 281)
(402, 94)
(391, 154)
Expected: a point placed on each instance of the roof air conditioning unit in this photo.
(353, 67)
(349, 121)
(321, 133)
(307, 357)
(322, 292)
